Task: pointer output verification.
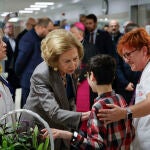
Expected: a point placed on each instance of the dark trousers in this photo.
(24, 95)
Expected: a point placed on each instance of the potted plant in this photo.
(12, 137)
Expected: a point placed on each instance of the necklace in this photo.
(64, 80)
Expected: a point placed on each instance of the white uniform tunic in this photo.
(6, 101)
(142, 125)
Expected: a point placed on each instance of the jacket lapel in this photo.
(59, 89)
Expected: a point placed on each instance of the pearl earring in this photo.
(55, 69)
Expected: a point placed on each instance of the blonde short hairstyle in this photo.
(56, 43)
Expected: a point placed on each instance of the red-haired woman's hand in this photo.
(115, 113)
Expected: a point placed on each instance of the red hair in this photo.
(134, 39)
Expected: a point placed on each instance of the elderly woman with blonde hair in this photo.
(53, 84)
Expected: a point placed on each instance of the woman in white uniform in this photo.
(6, 102)
(134, 47)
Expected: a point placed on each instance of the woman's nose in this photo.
(74, 65)
(4, 44)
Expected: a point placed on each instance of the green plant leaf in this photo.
(4, 144)
(18, 139)
(20, 146)
(46, 144)
(40, 146)
(34, 138)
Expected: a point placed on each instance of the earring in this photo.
(55, 69)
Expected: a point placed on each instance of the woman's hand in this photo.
(85, 115)
(57, 134)
(115, 113)
(44, 133)
(130, 87)
(61, 134)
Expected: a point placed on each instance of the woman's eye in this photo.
(67, 61)
(76, 59)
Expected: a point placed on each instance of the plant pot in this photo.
(10, 132)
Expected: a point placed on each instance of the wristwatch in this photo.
(129, 113)
(76, 140)
(74, 136)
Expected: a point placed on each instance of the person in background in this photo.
(82, 18)
(117, 135)
(78, 29)
(10, 41)
(114, 31)
(83, 90)
(131, 26)
(99, 38)
(106, 27)
(6, 101)
(29, 54)
(63, 23)
(30, 24)
(99, 42)
(125, 24)
(126, 80)
(53, 84)
(134, 48)
(57, 24)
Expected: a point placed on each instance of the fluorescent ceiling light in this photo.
(38, 6)
(75, 1)
(15, 19)
(32, 9)
(25, 11)
(106, 19)
(44, 3)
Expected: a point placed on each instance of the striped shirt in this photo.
(114, 136)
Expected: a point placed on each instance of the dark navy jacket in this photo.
(123, 77)
(10, 64)
(103, 43)
(29, 56)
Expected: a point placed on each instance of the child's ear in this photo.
(92, 77)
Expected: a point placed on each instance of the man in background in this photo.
(30, 23)
(10, 41)
(114, 31)
(82, 18)
(29, 55)
(99, 42)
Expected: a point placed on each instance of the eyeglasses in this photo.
(127, 55)
(9, 26)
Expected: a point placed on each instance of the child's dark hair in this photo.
(103, 68)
